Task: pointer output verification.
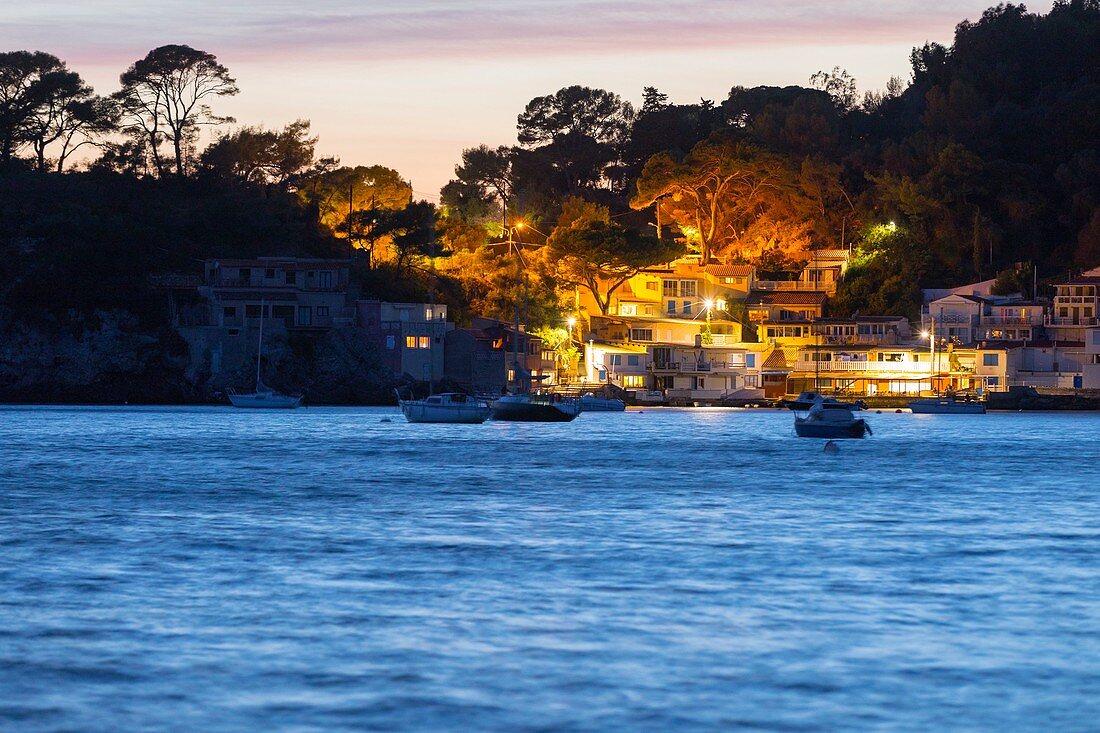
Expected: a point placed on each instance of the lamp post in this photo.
(571, 322)
(708, 305)
(512, 243)
(930, 334)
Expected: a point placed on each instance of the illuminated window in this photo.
(628, 310)
(410, 342)
(428, 314)
(424, 342)
(633, 380)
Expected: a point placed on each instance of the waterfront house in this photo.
(1076, 308)
(860, 329)
(785, 317)
(897, 369)
(410, 337)
(294, 294)
(675, 372)
(536, 362)
(1090, 370)
(476, 360)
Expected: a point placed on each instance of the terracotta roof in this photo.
(729, 270)
(775, 361)
(787, 297)
(831, 254)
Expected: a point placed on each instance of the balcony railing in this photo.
(792, 285)
(1011, 321)
(861, 366)
(663, 366)
(858, 338)
(1071, 321)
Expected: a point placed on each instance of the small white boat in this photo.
(830, 422)
(264, 397)
(592, 403)
(535, 407)
(946, 406)
(447, 407)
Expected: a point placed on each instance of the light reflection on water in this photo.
(204, 568)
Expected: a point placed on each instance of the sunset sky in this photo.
(409, 85)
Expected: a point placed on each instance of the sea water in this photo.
(333, 569)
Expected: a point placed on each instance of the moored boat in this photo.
(831, 423)
(806, 400)
(264, 397)
(536, 407)
(946, 406)
(447, 407)
(594, 403)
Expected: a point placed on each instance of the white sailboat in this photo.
(263, 396)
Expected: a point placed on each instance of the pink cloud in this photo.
(115, 32)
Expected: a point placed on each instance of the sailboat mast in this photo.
(260, 345)
(515, 332)
(431, 324)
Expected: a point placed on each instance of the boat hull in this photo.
(512, 409)
(858, 428)
(266, 401)
(599, 404)
(416, 412)
(945, 407)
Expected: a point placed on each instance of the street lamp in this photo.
(930, 334)
(708, 306)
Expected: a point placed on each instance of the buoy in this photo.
(831, 447)
(898, 410)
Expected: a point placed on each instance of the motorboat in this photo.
(594, 403)
(446, 407)
(806, 400)
(947, 406)
(536, 407)
(830, 423)
(264, 397)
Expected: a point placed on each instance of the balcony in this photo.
(668, 367)
(793, 285)
(856, 338)
(913, 367)
(1011, 321)
(1071, 321)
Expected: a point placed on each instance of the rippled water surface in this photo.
(328, 569)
